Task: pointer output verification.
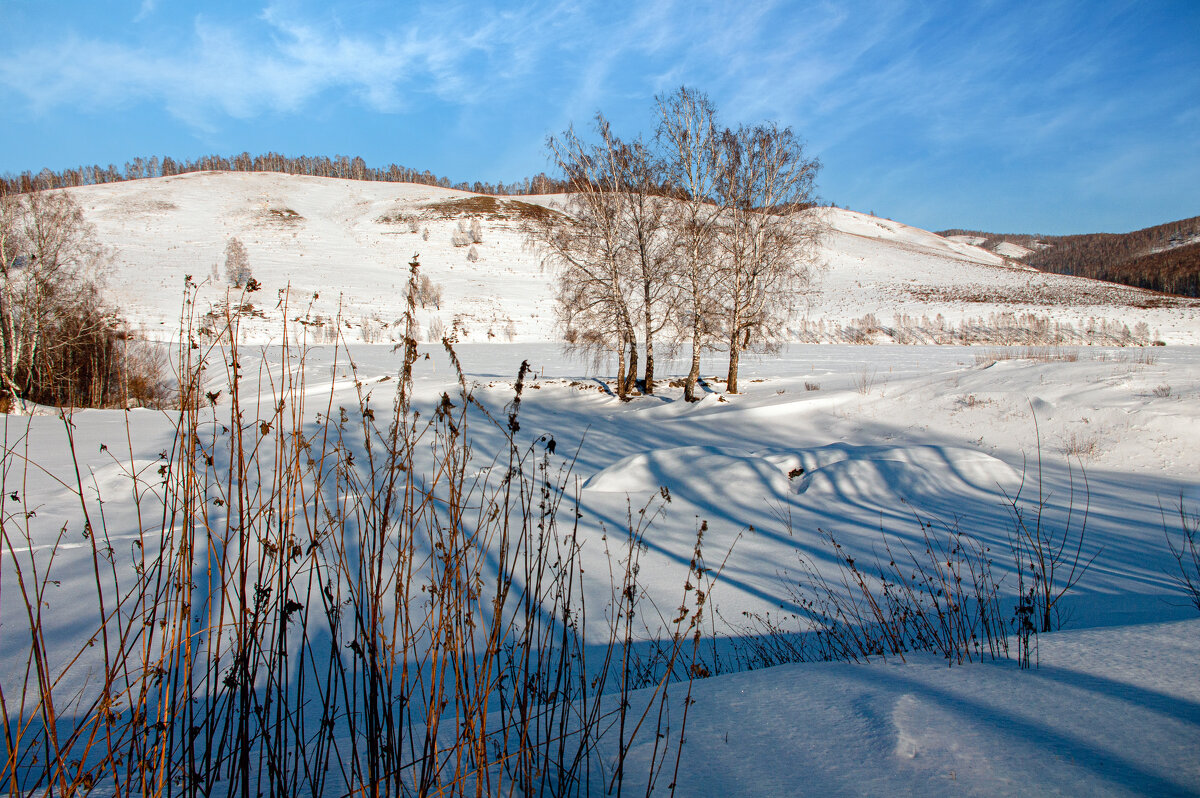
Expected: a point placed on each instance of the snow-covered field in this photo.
(858, 441)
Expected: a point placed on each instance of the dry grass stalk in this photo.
(336, 606)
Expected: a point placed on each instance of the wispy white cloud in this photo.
(283, 66)
(147, 8)
(914, 88)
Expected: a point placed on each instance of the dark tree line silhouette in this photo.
(1173, 271)
(340, 166)
(1163, 258)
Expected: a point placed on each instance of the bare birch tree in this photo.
(768, 241)
(647, 244)
(687, 133)
(48, 299)
(587, 251)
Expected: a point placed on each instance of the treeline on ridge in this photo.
(340, 166)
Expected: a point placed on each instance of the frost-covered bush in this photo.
(237, 263)
(437, 329)
(429, 293)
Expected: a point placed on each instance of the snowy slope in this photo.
(887, 269)
(330, 237)
(307, 236)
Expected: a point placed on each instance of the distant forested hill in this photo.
(1162, 258)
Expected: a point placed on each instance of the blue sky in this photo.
(1009, 116)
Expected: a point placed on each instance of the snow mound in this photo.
(839, 471)
(690, 469)
(884, 474)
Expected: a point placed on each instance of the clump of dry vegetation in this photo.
(488, 208)
(1081, 445)
(284, 216)
(996, 329)
(406, 221)
(339, 606)
(1040, 354)
(940, 595)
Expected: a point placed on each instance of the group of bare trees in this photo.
(59, 343)
(698, 239)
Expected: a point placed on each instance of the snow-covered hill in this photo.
(348, 243)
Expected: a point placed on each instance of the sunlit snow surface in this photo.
(849, 440)
(890, 436)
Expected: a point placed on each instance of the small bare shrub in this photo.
(369, 328)
(1049, 556)
(1080, 445)
(145, 374)
(425, 234)
(1162, 391)
(812, 386)
(407, 221)
(476, 232)
(971, 401)
(865, 380)
(1185, 549)
(472, 254)
(1041, 354)
(939, 596)
(1047, 354)
(437, 329)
